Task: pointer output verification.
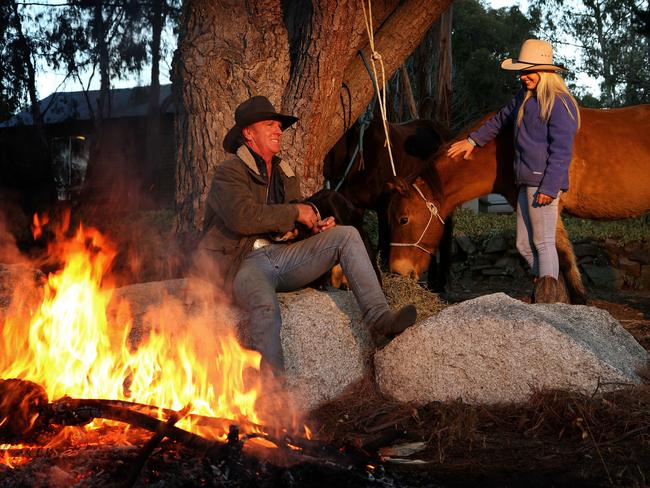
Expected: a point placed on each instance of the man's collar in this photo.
(248, 156)
(245, 154)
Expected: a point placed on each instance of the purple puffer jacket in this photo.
(543, 151)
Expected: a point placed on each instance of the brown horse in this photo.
(609, 179)
(413, 143)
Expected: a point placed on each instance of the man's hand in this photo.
(544, 199)
(307, 215)
(463, 147)
(322, 225)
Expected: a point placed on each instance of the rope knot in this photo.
(376, 55)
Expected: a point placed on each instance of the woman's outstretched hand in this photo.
(544, 199)
(463, 147)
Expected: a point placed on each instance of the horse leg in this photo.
(383, 230)
(438, 272)
(569, 266)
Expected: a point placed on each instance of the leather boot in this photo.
(392, 323)
(545, 290)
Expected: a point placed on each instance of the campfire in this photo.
(69, 370)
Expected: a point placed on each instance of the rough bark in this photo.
(395, 40)
(313, 90)
(228, 51)
(443, 77)
(408, 92)
(298, 54)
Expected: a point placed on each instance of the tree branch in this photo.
(395, 41)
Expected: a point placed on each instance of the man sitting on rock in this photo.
(255, 195)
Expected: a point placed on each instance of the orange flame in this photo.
(70, 348)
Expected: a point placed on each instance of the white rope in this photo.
(433, 211)
(380, 98)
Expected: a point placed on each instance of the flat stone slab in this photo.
(495, 349)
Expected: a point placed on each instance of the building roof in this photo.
(62, 107)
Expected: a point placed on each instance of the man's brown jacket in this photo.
(237, 213)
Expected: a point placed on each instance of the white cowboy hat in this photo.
(534, 55)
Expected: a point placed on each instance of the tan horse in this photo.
(609, 179)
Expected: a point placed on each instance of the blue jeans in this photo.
(287, 267)
(536, 227)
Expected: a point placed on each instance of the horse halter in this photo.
(433, 210)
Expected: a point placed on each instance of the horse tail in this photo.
(569, 266)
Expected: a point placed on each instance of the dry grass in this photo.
(401, 291)
(559, 436)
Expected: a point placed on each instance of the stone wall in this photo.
(604, 264)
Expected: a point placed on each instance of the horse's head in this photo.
(416, 226)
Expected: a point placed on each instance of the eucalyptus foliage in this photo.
(82, 39)
(481, 38)
(607, 42)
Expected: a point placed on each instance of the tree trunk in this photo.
(443, 77)
(313, 90)
(227, 52)
(99, 167)
(99, 25)
(609, 83)
(395, 40)
(408, 92)
(26, 55)
(153, 142)
(298, 54)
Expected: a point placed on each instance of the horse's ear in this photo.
(397, 184)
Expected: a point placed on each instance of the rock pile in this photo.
(604, 264)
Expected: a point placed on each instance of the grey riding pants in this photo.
(286, 267)
(536, 228)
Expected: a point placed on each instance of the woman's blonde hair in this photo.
(550, 85)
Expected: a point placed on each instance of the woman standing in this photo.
(545, 118)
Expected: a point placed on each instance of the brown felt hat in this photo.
(534, 55)
(255, 109)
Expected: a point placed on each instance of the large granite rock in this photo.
(496, 349)
(326, 347)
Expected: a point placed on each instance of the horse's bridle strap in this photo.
(433, 210)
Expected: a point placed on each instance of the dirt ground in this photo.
(557, 439)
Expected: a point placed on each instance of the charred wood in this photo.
(152, 443)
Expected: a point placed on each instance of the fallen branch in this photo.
(200, 420)
(152, 443)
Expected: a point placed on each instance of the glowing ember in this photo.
(70, 348)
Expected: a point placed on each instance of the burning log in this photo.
(199, 420)
(297, 455)
(152, 443)
(27, 413)
(20, 406)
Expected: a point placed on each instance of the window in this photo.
(70, 161)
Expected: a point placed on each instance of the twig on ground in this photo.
(152, 443)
